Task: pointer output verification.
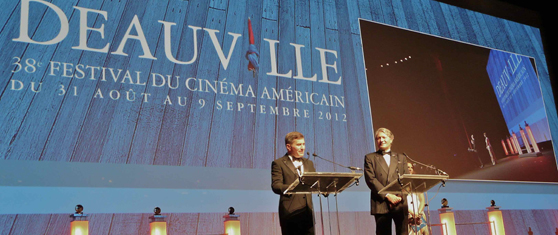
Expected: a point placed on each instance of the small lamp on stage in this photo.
(157, 223)
(496, 219)
(79, 224)
(232, 223)
(447, 219)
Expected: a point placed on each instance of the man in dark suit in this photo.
(296, 213)
(381, 168)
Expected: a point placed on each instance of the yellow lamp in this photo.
(80, 227)
(232, 223)
(79, 224)
(158, 228)
(157, 223)
(496, 219)
(447, 219)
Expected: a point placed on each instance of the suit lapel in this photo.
(287, 161)
(393, 164)
(382, 162)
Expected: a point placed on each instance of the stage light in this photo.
(157, 223)
(444, 203)
(79, 224)
(496, 219)
(232, 223)
(447, 219)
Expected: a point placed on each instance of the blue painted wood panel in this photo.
(64, 135)
(152, 115)
(515, 222)
(46, 99)
(242, 152)
(87, 124)
(30, 224)
(303, 122)
(6, 223)
(197, 138)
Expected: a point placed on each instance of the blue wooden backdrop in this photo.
(48, 115)
(79, 124)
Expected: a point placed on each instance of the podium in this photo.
(415, 183)
(324, 183)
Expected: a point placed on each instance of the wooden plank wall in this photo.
(87, 128)
(357, 223)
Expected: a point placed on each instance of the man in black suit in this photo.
(296, 213)
(381, 168)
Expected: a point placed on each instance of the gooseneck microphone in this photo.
(353, 168)
(438, 171)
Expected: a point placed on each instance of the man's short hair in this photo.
(289, 138)
(385, 131)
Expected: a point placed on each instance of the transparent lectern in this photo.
(324, 183)
(415, 183)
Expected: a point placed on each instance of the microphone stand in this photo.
(432, 167)
(352, 168)
(399, 179)
(439, 172)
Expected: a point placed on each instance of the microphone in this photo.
(442, 172)
(438, 171)
(354, 168)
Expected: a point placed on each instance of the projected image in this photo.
(474, 112)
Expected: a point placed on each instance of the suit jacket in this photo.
(378, 175)
(283, 173)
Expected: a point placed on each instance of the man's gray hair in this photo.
(385, 131)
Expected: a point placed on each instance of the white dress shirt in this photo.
(387, 156)
(297, 163)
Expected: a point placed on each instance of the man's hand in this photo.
(393, 199)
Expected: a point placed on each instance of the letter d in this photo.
(18, 83)
(24, 23)
(154, 77)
